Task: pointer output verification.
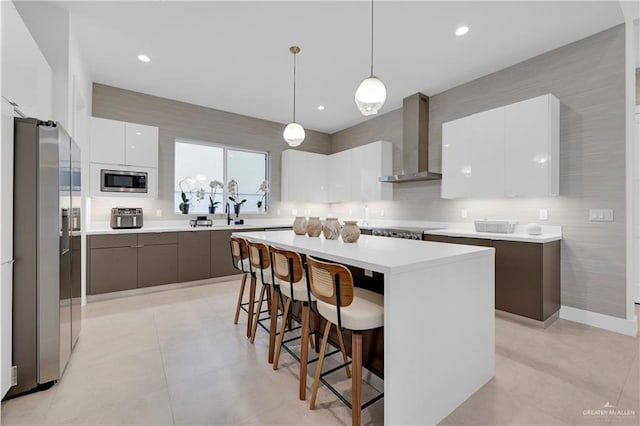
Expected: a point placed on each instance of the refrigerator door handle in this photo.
(8, 262)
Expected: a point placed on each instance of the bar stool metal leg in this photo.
(252, 298)
(240, 295)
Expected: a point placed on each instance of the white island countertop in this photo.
(373, 253)
(439, 325)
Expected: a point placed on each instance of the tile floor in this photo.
(175, 357)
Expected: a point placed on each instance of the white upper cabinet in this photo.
(487, 153)
(107, 141)
(456, 158)
(532, 149)
(141, 145)
(368, 163)
(27, 79)
(508, 151)
(340, 174)
(118, 142)
(350, 175)
(304, 176)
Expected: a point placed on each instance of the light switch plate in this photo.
(544, 214)
(600, 215)
(463, 213)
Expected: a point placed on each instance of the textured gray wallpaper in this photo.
(588, 78)
(182, 120)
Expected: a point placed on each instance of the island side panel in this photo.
(439, 338)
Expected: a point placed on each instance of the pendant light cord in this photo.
(294, 87)
(371, 38)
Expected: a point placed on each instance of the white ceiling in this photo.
(234, 56)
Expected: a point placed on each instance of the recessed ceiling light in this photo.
(144, 58)
(320, 107)
(462, 30)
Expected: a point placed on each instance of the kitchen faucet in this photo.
(228, 210)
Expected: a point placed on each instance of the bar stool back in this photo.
(260, 261)
(240, 260)
(288, 268)
(349, 307)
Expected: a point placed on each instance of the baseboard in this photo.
(158, 288)
(594, 319)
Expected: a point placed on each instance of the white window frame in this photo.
(225, 149)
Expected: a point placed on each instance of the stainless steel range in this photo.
(407, 233)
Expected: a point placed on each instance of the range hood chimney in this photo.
(415, 142)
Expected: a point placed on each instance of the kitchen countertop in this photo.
(183, 225)
(374, 253)
(451, 229)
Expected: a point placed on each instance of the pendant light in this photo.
(294, 133)
(371, 93)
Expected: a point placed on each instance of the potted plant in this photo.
(237, 205)
(214, 185)
(184, 205)
(264, 188)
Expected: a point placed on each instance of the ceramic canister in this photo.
(350, 231)
(314, 227)
(300, 225)
(331, 228)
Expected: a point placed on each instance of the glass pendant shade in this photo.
(293, 134)
(371, 95)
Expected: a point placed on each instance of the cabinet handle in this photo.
(138, 246)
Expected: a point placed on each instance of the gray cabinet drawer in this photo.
(156, 238)
(113, 240)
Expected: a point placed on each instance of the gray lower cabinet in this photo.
(527, 275)
(113, 263)
(221, 264)
(157, 258)
(194, 255)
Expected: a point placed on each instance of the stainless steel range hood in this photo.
(415, 142)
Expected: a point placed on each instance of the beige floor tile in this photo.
(585, 357)
(176, 357)
(28, 409)
(115, 380)
(147, 409)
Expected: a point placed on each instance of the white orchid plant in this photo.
(264, 188)
(214, 185)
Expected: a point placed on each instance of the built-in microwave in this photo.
(123, 181)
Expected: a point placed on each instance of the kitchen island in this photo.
(438, 317)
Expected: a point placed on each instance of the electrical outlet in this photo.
(381, 212)
(294, 212)
(463, 213)
(278, 212)
(544, 214)
(600, 215)
(158, 212)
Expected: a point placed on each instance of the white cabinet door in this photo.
(26, 74)
(487, 153)
(340, 176)
(368, 163)
(304, 176)
(532, 149)
(141, 145)
(456, 158)
(107, 141)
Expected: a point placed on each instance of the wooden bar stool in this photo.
(240, 260)
(348, 307)
(288, 271)
(260, 261)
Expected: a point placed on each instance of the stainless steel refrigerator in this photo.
(47, 249)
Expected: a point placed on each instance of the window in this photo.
(198, 164)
